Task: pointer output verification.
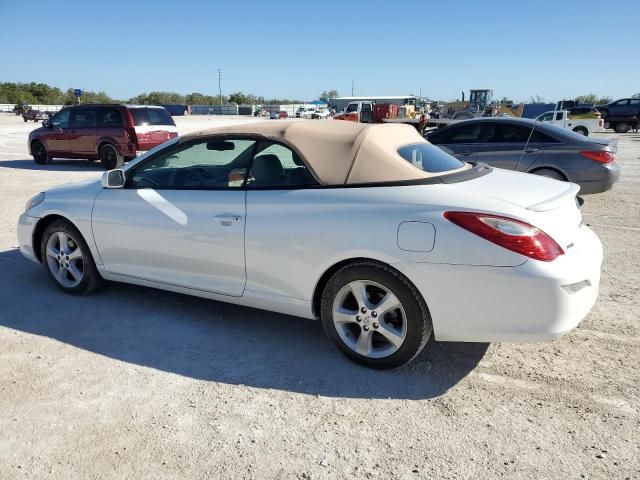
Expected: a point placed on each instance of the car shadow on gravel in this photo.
(57, 165)
(214, 341)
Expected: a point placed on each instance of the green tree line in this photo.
(41, 93)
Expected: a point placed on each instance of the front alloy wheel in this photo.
(65, 260)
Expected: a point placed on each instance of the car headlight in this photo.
(35, 200)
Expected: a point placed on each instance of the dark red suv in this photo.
(111, 133)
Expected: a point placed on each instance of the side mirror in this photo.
(113, 179)
(46, 123)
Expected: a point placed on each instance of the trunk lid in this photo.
(548, 204)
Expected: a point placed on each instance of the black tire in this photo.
(110, 158)
(623, 127)
(550, 173)
(418, 319)
(25, 119)
(39, 152)
(91, 279)
(581, 131)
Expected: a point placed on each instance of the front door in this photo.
(82, 132)
(56, 139)
(180, 219)
(508, 145)
(461, 141)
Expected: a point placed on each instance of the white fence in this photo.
(8, 107)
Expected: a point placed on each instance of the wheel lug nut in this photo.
(366, 328)
(374, 314)
(375, 325)
(358, 318)
(363, 310)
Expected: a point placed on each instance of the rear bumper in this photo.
(608, 175)
(535, 301)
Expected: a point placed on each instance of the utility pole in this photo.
(353, 86)
(220, 84)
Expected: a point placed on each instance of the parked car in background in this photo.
(562, 119)
(305, 111)
(620, 115)
(237, 214)
(33, 115)
(278, 115)
(111, 133)
(529, 146)
(321, 114)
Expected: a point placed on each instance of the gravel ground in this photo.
(138, 383)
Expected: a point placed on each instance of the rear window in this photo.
(429, 158)
(151, 116)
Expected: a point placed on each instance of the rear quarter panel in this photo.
(294, 236)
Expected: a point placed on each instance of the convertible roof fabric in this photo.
(339, 152)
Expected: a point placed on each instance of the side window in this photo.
(207, 164)
(109, 117)
(84, 118)
(506, 133)
(275, 165)
(352, 107)
(461, 134)
(539, 137)
(558, 115)
(546, 117)
(366, 107)
(61, 119)
(635, 102)
(621, 103)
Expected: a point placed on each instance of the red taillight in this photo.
(599, 156)
(514, 235)
(173, 134)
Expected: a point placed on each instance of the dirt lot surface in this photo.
(138, 383)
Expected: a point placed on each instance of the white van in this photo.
(305, 111)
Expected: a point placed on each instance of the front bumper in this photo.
(26, 226)
(530, 302)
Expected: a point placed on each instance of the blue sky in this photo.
(555, 49)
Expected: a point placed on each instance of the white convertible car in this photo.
(384, 237)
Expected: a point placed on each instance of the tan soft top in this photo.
(339, 152)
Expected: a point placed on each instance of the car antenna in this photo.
(533, 127)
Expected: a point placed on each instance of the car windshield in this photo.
(151, 116)
(429, 158)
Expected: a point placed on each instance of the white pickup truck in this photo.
(562, 119)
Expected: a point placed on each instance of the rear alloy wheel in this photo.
(623, 127)
(110, 158)
(40, 154)
(550, 173)
(374, 315)
(581, 131)
(67, 259)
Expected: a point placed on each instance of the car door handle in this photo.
(466, 153)
(228, 220)
(531, 150)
